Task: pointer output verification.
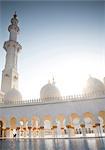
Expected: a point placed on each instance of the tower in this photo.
(12, 48)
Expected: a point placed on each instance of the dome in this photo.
(49, 90)
(94, 85)
(12, 96)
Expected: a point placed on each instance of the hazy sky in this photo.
(60, 39)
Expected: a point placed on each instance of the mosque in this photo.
(53, 115)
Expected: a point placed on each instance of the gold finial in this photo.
(53, 80)
(15, 15)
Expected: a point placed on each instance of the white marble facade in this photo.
(52, 115)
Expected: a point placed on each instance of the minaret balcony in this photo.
(11, 44)
(13, 28)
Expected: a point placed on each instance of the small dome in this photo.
(94, 85)
(49, 90)
(12, 96)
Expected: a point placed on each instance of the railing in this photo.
(72, 98)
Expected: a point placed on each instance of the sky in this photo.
(60, 39)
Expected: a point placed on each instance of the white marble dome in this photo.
(49, 91)
(94, 85)
(12, 96)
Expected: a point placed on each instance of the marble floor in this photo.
(53, 144)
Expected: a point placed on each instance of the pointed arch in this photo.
(60, 117)
(1, 126)
(13, 123)
(101, 116)
(75, 118)
(89, 117)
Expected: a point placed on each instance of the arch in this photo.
(75, 119)
(60, 120)
(89, 118)
(13, 123)
(47, 121)
(35, 121)
(60, 117)
(47, 124)
(1, 127)
(74, 116)
(23, 121)
(23, 127)
(3, 118)
(47, 117)
(61, 125)
(101, 116)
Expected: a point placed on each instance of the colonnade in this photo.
(59, 126)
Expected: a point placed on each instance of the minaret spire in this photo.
(12, 47)
(53, 81)
(13, 28)
(15, 15)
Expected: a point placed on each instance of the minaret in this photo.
(12, 48)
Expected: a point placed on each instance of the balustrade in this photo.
(72, 98)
